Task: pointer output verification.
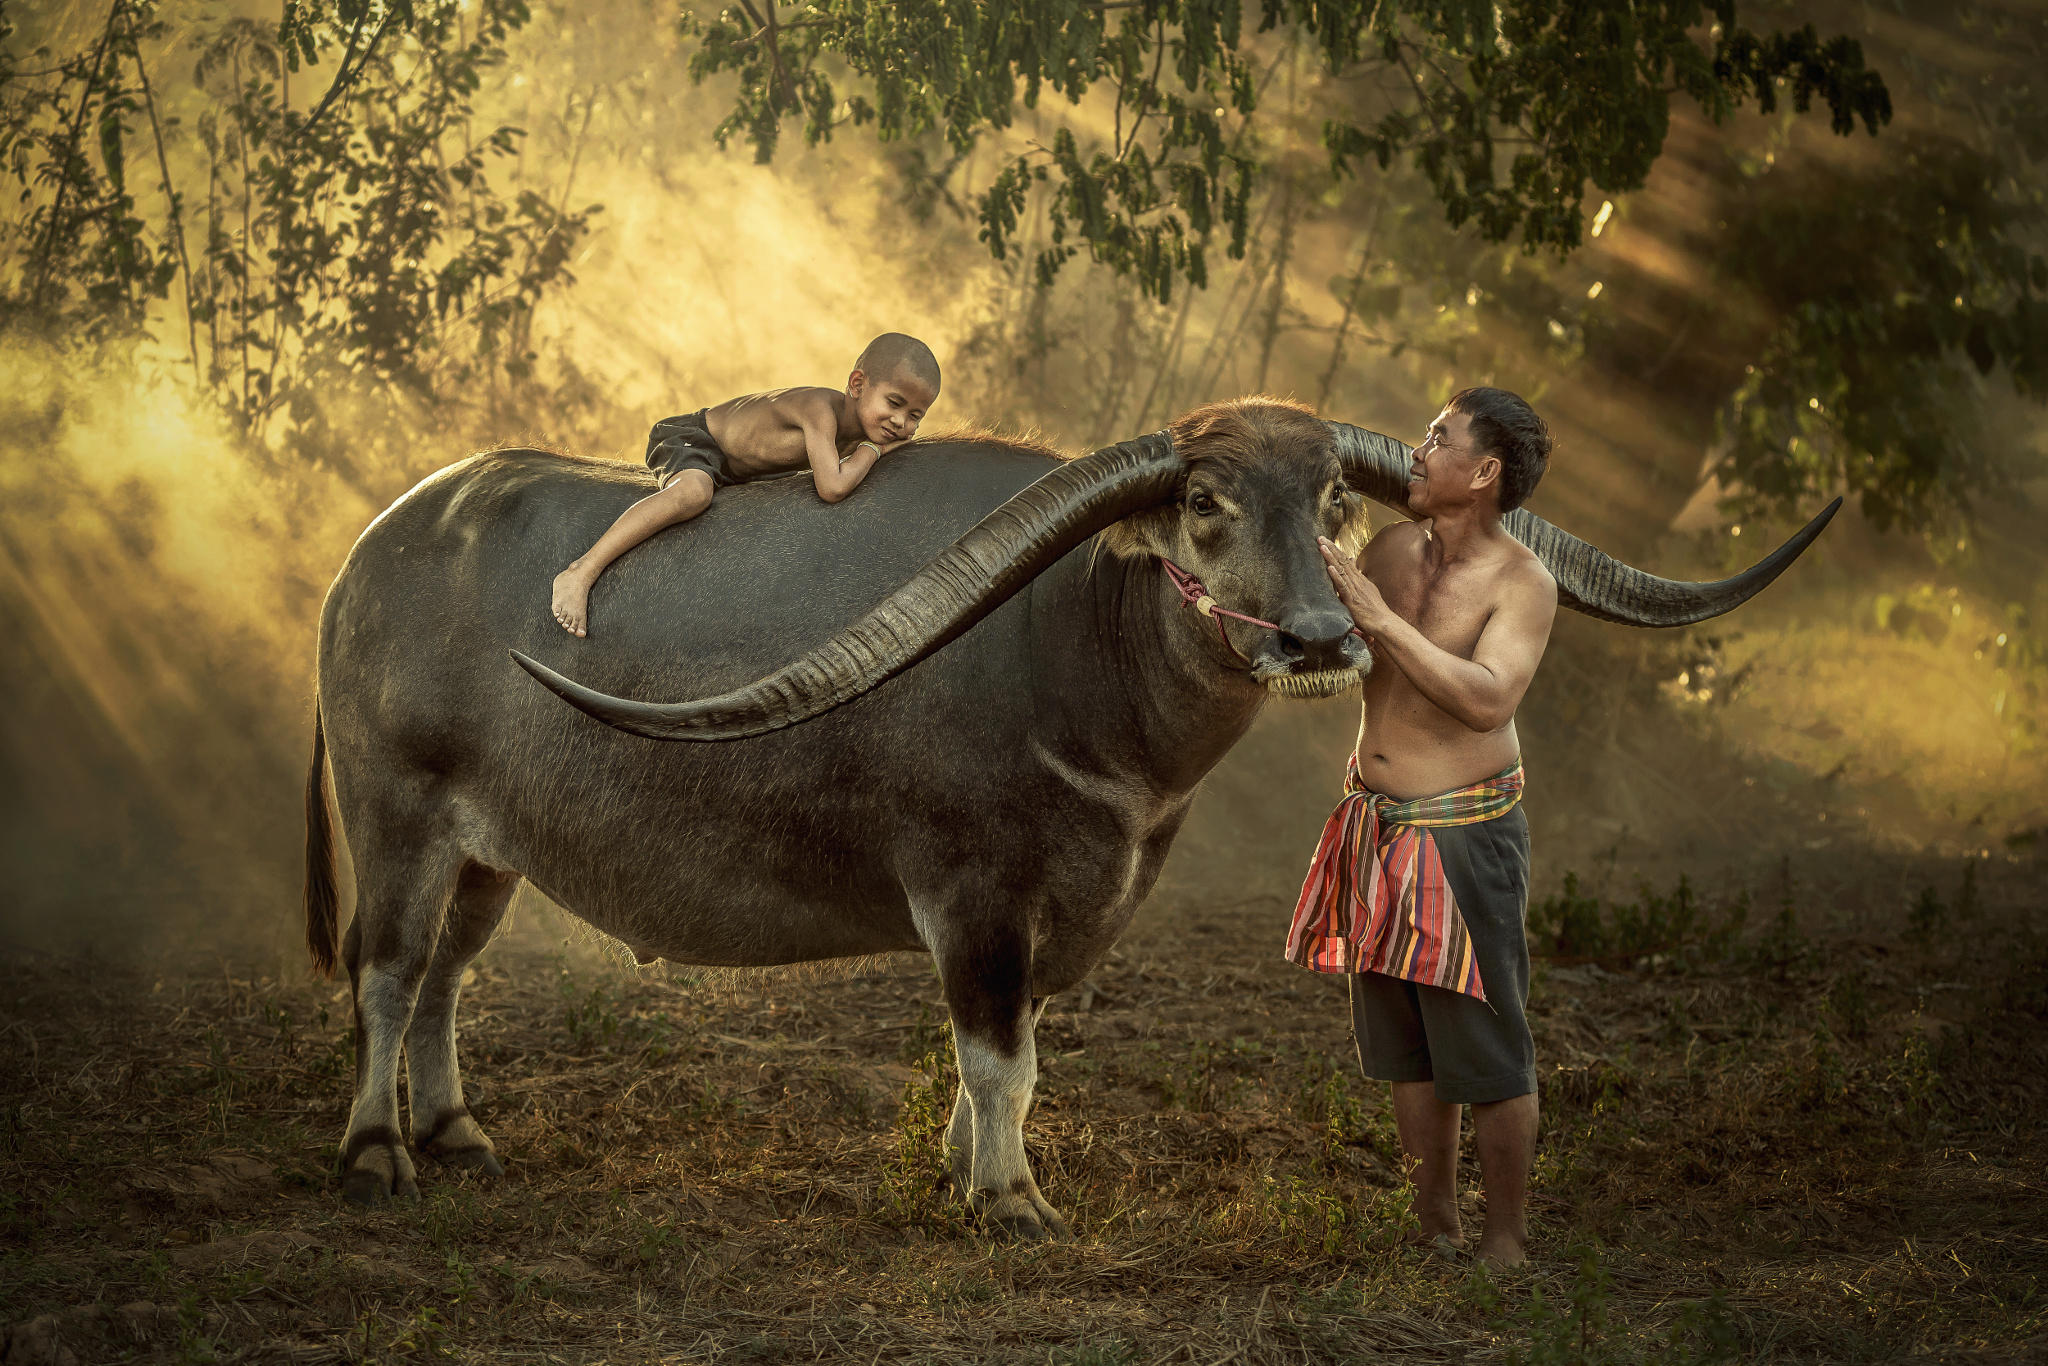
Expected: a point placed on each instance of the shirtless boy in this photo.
(837, 436)
(1458, 613)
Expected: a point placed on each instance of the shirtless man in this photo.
(837, 436)
(1427, 917)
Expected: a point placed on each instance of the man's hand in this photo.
(1368, 609)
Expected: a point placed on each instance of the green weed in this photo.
(1299, 1218)
(1927, 918)
(1323, 1097)
(916, 1171)
(1849, 1002)
(1677, 925)
(1579, 1330)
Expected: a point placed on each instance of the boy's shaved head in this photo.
(893, 354)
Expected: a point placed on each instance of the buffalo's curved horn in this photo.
(1589, 580)
(975, 575)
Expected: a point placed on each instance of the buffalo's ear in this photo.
(1153, 531)
(1355, 529)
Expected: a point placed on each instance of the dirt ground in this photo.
(1805, 1131)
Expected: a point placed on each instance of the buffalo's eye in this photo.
(1337, 493)
(1201, 504)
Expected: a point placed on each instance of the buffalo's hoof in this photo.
(375, 1167)
(1019, 1228)
(369, 1189)
(472, 1159)
(1024, 1217)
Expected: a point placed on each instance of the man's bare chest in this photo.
(1449, 608)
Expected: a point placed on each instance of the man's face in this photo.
(889, 409)
(1442, 469)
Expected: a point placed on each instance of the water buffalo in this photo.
(994, 755)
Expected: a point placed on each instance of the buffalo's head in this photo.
(1260, 482)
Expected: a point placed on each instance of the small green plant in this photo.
(590, 1017)
(659, 1245)
(1827, 1077)
(1783, 947)
(916, 1171)
(196, 1346)
(1848, 1001)
(1913, 1082)
(1579, 1329)
(280, 1019)
(1323, 1097)
(423, 1337)
(1675, 925)
(1305, 1220)
(1194, 1086)
(462, 1281)
(1928, 917)
(451, 1217)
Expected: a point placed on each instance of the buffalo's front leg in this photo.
(988, 991)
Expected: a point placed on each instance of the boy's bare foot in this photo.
(572, 601)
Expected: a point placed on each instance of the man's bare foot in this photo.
(1500, 1251)
(572, 601)
(1437, 1245)
(1437, 1230)
(1438, 1219)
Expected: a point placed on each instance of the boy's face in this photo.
(891, 408)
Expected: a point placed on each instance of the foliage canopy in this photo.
(347, 235)
(1509, 111)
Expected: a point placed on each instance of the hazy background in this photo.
(162, 561)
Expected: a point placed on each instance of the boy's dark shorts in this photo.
(1475, 1051)
(685, 443)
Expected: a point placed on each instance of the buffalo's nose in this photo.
(1318, 640)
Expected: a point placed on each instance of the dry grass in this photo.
(1819, 1144)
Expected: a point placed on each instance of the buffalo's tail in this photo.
(322, 899)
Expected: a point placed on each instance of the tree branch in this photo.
(177, 215)
(345, 77)
(71, 150)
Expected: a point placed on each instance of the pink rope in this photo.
(1193, 594)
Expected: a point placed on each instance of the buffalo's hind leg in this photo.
(994, 1025)
(404, 880)
(442, 1127)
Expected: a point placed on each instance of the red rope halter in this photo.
(1193, 594)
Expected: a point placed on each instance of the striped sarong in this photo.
(1376, 898)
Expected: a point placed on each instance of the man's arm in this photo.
(834, 477)
(1481, 692)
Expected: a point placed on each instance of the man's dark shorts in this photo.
(1475, 1051)
(685, 443)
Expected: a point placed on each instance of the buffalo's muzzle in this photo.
(1316, 640)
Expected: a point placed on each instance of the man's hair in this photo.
(893, 354)
(1507, 428)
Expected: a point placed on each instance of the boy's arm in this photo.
(1481, 692)
(834, 477)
